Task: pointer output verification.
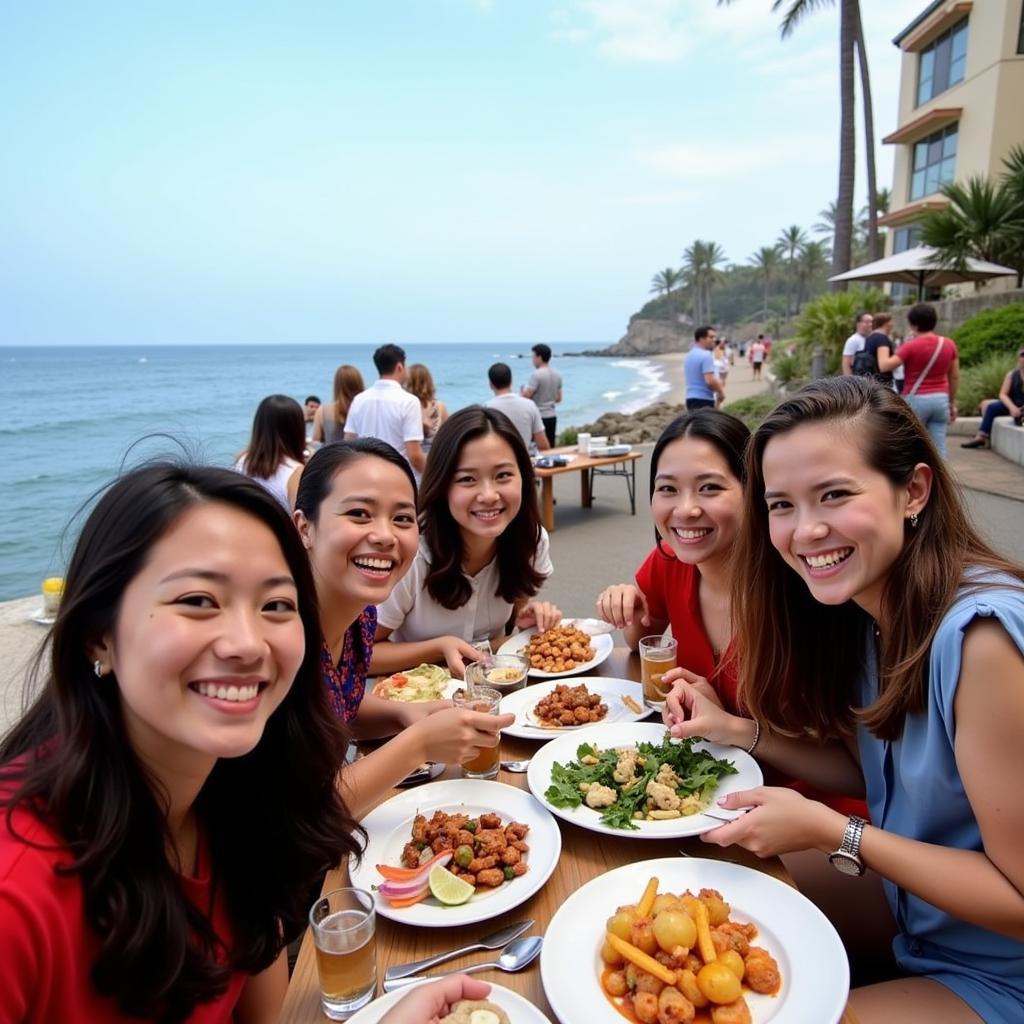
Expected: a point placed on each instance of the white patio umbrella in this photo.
(918, 266)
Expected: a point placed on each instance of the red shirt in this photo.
(47, 947)
(915, 354)
(672, 589)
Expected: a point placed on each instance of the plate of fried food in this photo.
(456, 852)
(423, 683)
(544, 710)
(690, 939)
(633, 779)
(564, 650)
(502, 1006)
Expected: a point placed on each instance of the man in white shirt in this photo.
(388, 412)
(855, 342)
(523, 412)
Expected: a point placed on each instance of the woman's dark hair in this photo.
(318, 474)
(802, 660)
(724, 431)
(273, 819)
(278, 433)
(922, 317)
(517, 546)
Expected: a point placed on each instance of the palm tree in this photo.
(812, 260)
(790, 241)
(767, 262)
(849, 26)
(666, 281)
(701, 263)
(874, 240)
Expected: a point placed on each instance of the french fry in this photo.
(705, 946)
(643, 908)
(640, 959)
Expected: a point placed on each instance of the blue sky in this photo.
(424, 170)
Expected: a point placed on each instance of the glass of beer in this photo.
(343, 923)
(505, 673)
(657, 656)
(483, 764)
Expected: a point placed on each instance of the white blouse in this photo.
(276, 484)
(413, 615)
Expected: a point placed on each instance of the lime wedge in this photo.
(448, 889)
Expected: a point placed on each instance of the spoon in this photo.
(516, 766)
(514, 957)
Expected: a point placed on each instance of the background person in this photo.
(898, 665)
(277, 446)
(545, 388)
(386, 411)
(855, 342)
(159, 827)
(721, 357)
(703, 387)
(432, 412)
(877, 346)
(329, 425)
(523, 413)
(483, 555)
(758, 354)
(309, 409)
(1009, 403)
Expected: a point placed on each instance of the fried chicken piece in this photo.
(762, 972)
(511, 856)
(419, 829)
(478, 864)
(492, 877)
(411, 855)
(490, 821)
(674, 1007)
(516, 830)
(490, 840)
(731, 1013)
(519, 869)
(732, 936)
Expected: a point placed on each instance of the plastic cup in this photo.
(657, 656)
(343, 923)
(484, 763)
(52, 589)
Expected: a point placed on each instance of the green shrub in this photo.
(787, 368)
(567, 437)
(980, 381)
(753, 409)
(993, 331)
(830, 319)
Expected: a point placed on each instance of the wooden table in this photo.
(585, 465)
(585, 855)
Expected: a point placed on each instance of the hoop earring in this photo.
(97, 668)
(914, 520)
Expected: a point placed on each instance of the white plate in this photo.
(389, 828)
(518, 1009)
(563, 749)
(528, 727)
(42, 618)
(446, 694)
(603, 645)
(815, 972)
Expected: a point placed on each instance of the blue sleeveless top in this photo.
(914, 789)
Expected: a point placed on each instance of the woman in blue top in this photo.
(883, 647)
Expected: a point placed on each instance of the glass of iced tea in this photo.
(343, 923)
(657, 656)
(505, 673)
(483, 764)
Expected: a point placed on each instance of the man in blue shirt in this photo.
(702, 383)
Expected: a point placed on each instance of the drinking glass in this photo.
(343, 923)
(505, 673)
(657, 656)
(483, 764)
(52, 590)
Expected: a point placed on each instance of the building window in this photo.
(934, 162)
(942, 63)
(906, 238)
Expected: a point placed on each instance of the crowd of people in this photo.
(180, 784)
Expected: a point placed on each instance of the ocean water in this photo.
(71, 417)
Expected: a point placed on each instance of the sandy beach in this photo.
(739, 384)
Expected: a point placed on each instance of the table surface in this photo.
(584, 856)
(581, 462)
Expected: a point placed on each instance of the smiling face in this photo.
(364, 536)
(207, 641)
(835, 520)
(486, 490)
(697, 501)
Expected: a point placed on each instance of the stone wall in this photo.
(953, 312)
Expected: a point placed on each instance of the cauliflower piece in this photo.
(625, 770)
(667, 777)
(599, 796)
(665, 799)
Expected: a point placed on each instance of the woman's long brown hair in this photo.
(348, 382)
(802, 660)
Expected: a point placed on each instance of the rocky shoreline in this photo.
(639, 427)
(646, 338)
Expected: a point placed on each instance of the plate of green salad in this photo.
(635, 779)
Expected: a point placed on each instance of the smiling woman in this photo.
(157, 757)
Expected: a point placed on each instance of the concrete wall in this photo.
(953, 312)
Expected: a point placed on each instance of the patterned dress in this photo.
(346, 681)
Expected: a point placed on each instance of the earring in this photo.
(97, 667)
(913, 520)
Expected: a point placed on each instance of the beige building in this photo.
(961, 107)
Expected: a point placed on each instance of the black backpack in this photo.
(865, 364)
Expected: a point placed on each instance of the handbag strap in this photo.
(927, 367)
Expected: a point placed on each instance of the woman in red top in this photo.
(169, 801)
(932, 372)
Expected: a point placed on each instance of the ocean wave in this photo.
(611, 395)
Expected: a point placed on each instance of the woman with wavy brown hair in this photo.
(420, 383)
(170, 799)
(329, 422)
(884, 648)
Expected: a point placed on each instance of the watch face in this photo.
(846, 863)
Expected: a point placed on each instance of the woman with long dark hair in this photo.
(329, 422)
(884, 648)
(483, 554)
(355, 510)
(169, 800)
(277, 446)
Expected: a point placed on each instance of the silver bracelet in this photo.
(757, 736)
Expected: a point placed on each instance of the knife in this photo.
(493, 941)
